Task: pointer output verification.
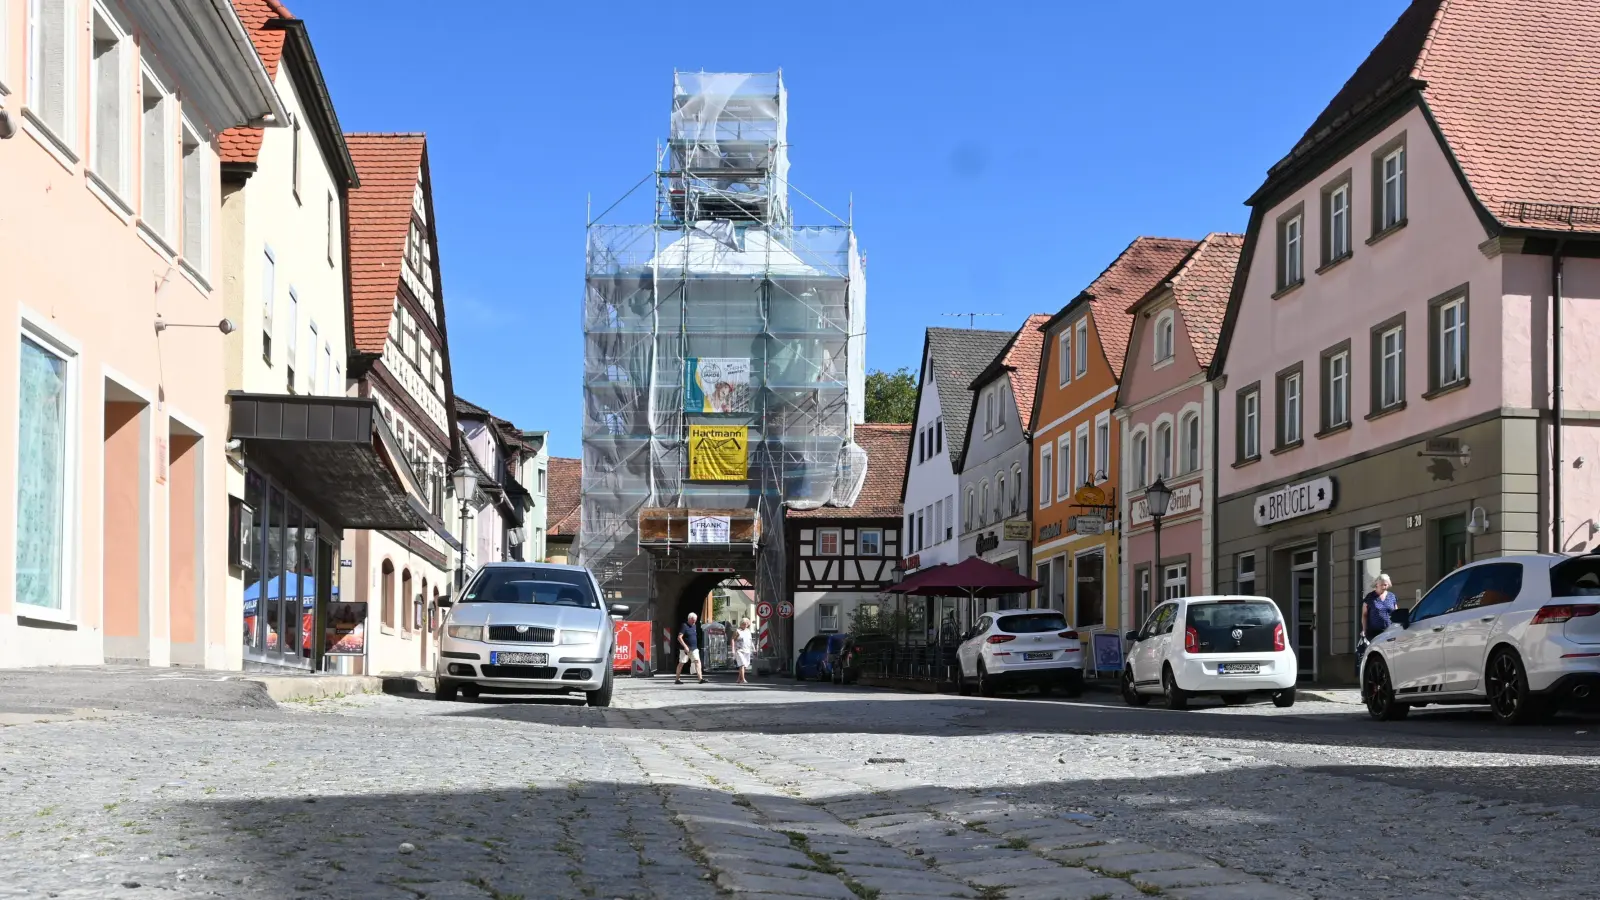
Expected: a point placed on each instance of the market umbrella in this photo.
(910, 584)
(971, 578)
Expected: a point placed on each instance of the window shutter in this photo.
(153, 210)
(107, 157)
(51, 99)
(194, 219)
(268, 287)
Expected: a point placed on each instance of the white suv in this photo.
(1521, 633)
(1020, 646)
(1229, 646)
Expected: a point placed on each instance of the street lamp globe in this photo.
(465, 482)
(898, 573)
(1159, 497)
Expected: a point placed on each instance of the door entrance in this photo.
(1303, 593)
(1452, 531)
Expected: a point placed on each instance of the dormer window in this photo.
(1166, 327)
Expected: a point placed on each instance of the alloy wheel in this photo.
(1507, 687)
(1381, 704)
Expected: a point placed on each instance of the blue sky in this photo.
(998, 161)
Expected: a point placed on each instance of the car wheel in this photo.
(985, 683)
(602, 697)
(1284, 698)
(1177, 697)
(1073, 686)
(1378, 690)
(1510, 699)
(962, 687)
(1235, 699)
(1130, 695)
(443, 691)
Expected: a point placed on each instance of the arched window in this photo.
(1164, 333)
(406, 599)
(1141, 459)
(1016, 490)
(1164, 450)
(423, 620)
(983, 503)
(386, 598)
(999, 494)
(1190, 432)
(966, 514)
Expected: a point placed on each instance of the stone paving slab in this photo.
(1167, 879)
(804, 884)
(1258, 891)
(1153, 862)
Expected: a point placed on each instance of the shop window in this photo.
(1090, 590)
(45, 477)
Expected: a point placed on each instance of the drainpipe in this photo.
(1557, 398)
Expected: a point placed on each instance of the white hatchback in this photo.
(1520, 633)
(1229, 646)
(1020, 647)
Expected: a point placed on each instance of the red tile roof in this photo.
(564, 509)
(1202, 287)
(1135, 272)
(886, 447)
(243, 145)
(1022, 357)
(380, 218)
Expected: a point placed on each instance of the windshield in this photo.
(537, 586)
(1233, 626)
(1033, 623)
(1576, 578)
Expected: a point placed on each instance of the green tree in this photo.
(892, 396)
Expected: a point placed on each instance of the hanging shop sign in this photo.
(1089, 495)
(710, 529)
(719, 453)
(1089, 524)
(1184, 500)
(716, 385)
(1295, 501)
(1018, 529)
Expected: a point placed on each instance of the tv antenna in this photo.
(971, 316)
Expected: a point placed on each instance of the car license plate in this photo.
(1238, 668)
(508, 658)
(1044, 654)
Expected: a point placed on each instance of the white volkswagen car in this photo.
(1228, 646)
(1020, 647)
(1520, 633)
(528, 628)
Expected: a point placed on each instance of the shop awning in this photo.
(326, 450)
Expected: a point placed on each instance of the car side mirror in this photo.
(619, 609)
(446, 602)
(1131, 636)
(1401, 617)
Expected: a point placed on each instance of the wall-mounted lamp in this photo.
(8, 125)
(226, 326)
(1478, 522)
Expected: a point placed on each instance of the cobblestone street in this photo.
(785, 790)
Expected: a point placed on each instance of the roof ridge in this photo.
(1427, 42)
(386, 134)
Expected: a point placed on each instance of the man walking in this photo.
(689, 649)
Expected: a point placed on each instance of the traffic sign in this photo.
(785, 610)
(763, 610)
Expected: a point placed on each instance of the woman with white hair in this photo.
(1377, 608)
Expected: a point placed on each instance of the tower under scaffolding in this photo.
(723, 313)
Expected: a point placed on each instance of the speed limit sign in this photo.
(785, 610)
(764, 610)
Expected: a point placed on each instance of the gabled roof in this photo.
(887, 449)
(1020, 357)
(380, 218)
(564, 489)
(244, 144)
(1141, 266)
(1202, 284)
(465, 407)
(959, 355)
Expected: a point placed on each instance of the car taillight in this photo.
(1191, 640)
(1280, 641)
(1000, 638)
(1069, 635)
(1554, 615)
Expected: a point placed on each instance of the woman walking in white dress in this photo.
(744, 648)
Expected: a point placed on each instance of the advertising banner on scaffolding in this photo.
(710, 529)
(716, 385)
(719, 453)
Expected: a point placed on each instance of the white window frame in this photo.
(1064, 344)
(989, 406)
(822, 545)
(269, 290)
(34, 328)
(1392, 213)
(292, 351)
(161, 231)
(1163, 448)
(115, 190)
(1458, 331)
(1252, 424)
(983, 502)
(1002, 394)
(1016, 489)
(828, 622)
(1339, 389)
(876, 535)
(1386, 384)
(1239, 579)
(1189, 456)
(1083, 462)
(329, 386)
(1293, 395)
(1294, 257)
(949, 516)
(1339, 222)
(311, 381)
(966, 512)
(1080, 348)
(1064, 467)
(59, 141)
(938, 520)
(333, 229)
(1174, 581)
(296, 159)
(999, 496)
(1139, 456)
(1102, 446)
(1165, 336)
(199, 267)
(1046, 474)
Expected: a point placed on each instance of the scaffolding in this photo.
(721, 282)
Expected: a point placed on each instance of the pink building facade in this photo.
(111, 426)
(1387, 385)
(1164, 406)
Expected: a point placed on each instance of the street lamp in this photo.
(1157, 498)
(465, 482)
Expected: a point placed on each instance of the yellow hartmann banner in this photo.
(719, 453)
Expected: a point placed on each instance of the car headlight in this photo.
(465, 632)
(578, 637)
